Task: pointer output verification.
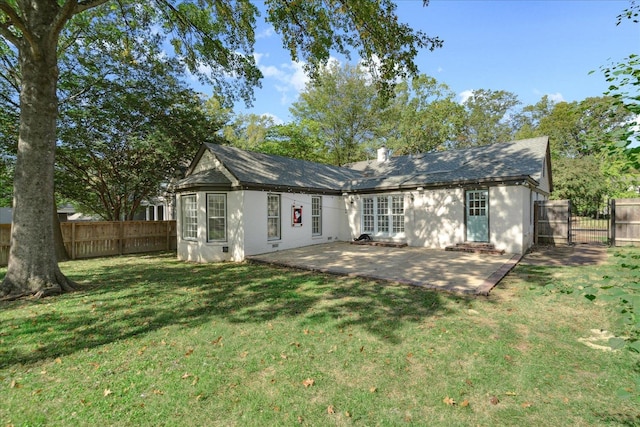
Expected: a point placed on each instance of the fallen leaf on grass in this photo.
(308, 382)
(494, 400)
(300, 419)
(158, 392)
(468, 382)
(464, 403)
(185, 376)
(526, 404)
(347, 414)
(511, 393)
(58, 360)
(189, 352)
(15, 384)
(331, 410)
(373, 389)
(216, 341)
(449, 401)
(107, 392)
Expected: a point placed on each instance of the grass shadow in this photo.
(125, 297)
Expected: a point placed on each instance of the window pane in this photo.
(383, 223)
(397, 211)
(273, 216)
(189, 217)
(316, 216)
(367, 215)
(216, 217)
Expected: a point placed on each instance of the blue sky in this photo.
(528, 47)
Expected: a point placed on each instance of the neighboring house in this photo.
(235, 203)
(6, 214)
(159, 208)
(66, 212)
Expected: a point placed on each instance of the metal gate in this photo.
(555, 223)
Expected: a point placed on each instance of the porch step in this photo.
(479, 248)
(382, 243)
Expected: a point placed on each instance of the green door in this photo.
(478, 216)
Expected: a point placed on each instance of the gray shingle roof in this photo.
(498, 162)
(206, 178)
(510, 160)
(258, 169)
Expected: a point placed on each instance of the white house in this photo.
(235, 203)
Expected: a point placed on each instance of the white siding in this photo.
(507, 211)
(433, 219)
(200, 250)
(247, 226)
(436, 218)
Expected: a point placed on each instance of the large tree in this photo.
(205, 34)
(342, 105)
(119, 143)
(422, 117)
(489, 118)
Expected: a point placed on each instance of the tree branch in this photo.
(16, 21)
(73, 7)
(88, 4)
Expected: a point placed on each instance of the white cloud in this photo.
(298, 77)
(290, 78)
(266, 33)
(276, 120)
(464, 95)
(556, 97)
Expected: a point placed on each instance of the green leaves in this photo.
(312, 28)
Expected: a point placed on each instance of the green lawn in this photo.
(153, 341)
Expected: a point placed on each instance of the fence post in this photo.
(536, 216)
(121, 238)
(569, 222)
(612, 222)
(167, 233)
(73, 240)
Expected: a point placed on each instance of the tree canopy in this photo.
(212, 39)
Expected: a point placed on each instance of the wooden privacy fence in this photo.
(104, 238)
(552, 222)
(625, 229)
(618, 226)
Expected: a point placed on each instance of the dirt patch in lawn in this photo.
(570, 256)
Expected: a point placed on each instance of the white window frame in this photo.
(274, 216)
(189, 216)
(216, 216)
(316, 215)
(383, 215)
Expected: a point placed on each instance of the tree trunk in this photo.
(61, 250)
(33, 267)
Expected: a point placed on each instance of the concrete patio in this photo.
(457, 272)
